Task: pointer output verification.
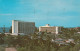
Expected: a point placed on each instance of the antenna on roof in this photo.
(34, 12)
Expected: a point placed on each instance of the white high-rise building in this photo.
(21, 27)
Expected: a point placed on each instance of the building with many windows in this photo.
(21, 27)
(52, 29)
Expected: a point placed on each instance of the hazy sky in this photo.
(54, 12)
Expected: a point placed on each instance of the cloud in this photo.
(55, 6)
(7, 14)
(56, 11)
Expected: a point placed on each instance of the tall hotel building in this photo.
(21, 27)
(52, 29)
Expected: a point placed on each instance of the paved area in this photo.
(10, 49)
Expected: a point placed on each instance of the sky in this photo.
(54, 12)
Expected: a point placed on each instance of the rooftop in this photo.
(22, 21)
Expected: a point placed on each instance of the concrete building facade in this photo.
(52, 29)
(21, 27)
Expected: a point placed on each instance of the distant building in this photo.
(21, 27)
(48, 28)
(6, 29)
(77, 29)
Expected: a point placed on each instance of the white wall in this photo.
(56, 30)
(14, 26)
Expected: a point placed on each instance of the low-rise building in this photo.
(48, 28)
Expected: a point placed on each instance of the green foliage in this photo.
(68, 32)
(75, 48)
(53, 49)
(21, 49)
(2, 38)
(40, 42)
(35, 48)
(9, 40)
(10, 31)
(2, 48)
(64, 48)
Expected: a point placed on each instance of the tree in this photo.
(36, 29)
(10, 30)
(2, 38)
(75, 48)
(64, 48)
(9, 40)
(4, 29)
